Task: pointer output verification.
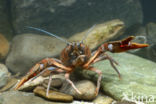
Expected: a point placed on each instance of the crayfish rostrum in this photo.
(77, 54)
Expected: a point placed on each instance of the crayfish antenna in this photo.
(87, 33)
(41, 30)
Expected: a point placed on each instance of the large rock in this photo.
(138, 77)
(4, 75)
(4, 47)
(99, 33)
(28, 49)
(66, 17)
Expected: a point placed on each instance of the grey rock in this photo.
(87, 89)
(4, 75)
(65, 17)
(17, 97)
(11, 83)
(28, 49)
(138, 77)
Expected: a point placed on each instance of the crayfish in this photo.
(77, 54)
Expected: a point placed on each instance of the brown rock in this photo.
(53, 95)
(4, 44)
(87, 89)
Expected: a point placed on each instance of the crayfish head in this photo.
(124, 45)
(75, 54)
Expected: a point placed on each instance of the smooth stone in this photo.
(53, 95)
(87, 89)
(4, 75)
(28, 49)
(4, 43)
(100, 33)
(18, 97)
(102, 99)
(138, 77)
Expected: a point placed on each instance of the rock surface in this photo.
(65, 17)
(138, 77)
(28, 49)
(4, 75)
(99, 33)
(11, 83)
(17, 97)
(4, 44)
(53, 95)
(87, 88)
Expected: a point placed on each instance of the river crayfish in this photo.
(77, 54)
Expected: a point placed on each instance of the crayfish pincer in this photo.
(77, 54)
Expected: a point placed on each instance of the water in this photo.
(21, 47)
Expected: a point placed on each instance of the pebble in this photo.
(102, 99)
(86, 87)
(53, 95)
